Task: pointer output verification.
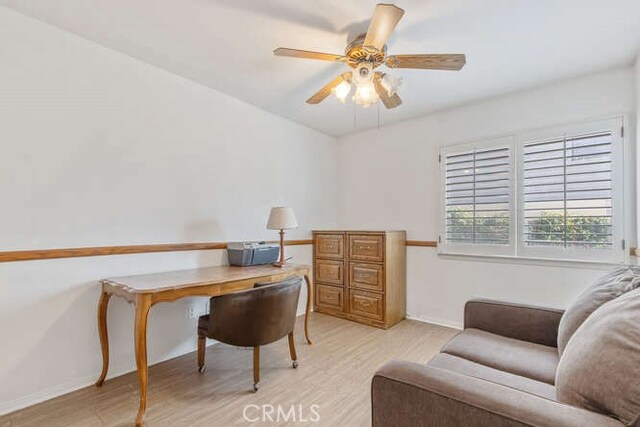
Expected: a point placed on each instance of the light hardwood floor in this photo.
(334, 373)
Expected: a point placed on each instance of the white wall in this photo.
(100, 149)
(388, 179)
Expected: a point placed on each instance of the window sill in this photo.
(555, 262)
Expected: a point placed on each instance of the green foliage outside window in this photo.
(493, 228)
(546, 229)
(549, 227)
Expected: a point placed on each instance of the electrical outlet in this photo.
(191, 313)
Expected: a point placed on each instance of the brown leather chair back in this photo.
(255, 317)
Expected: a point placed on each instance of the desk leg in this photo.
(308, 309)
(143, 304)
(104, 336)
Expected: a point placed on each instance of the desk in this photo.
(147, 290)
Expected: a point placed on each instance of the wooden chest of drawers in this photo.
(360, 275)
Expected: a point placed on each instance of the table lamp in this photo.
(282, 218)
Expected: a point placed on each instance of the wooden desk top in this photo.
(174, 280)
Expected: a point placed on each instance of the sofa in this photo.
(523, 365)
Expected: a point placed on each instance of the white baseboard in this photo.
(46, 394)
(78, 383)
(424, 319)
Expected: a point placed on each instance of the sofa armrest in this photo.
(406, 394)
(520, 321)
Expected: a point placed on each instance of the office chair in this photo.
(252, 318)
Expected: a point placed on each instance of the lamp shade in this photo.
(282, 218)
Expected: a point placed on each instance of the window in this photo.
(554, 193)
(478, 197)
(571, 184)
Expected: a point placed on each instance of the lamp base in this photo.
(282, 261)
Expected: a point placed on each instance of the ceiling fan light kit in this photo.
(366, 94)
(366, 53)
(342, 90)
(391, 84)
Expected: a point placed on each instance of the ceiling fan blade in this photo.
(320, 95)
(388, 101)
(385, 18)
(296, 53)
(427, 62)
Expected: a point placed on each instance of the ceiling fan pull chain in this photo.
(355, 121)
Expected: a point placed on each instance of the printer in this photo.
(252, 253)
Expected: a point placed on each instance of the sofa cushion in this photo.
(523, 358)
(615, 283)
(600, 367)
(476, 370)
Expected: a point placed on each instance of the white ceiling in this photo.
(227, 45)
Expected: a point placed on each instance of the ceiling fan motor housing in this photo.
(358, 53)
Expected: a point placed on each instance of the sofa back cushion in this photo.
(600, 367)
(617, 282)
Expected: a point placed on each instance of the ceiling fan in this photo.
(366, 53)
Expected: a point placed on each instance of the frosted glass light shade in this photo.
(365, 95)
(282, 218)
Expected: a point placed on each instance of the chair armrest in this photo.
(520, 321)
(406, 394)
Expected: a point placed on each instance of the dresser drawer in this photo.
(331, 297)
(329, 271)
(363, 247)
(368, 277)
(329, 246)
(366, 304)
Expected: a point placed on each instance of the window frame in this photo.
(617, 253)
(479, 249)
(516, 249)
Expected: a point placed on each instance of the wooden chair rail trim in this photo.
(422, 243)
(39, 254)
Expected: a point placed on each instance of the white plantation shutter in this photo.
(567, 192)
(478, 207)
(571, 193)
(550, 194)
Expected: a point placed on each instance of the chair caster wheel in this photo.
(255, 387)
(201, 369)
(295, 364)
